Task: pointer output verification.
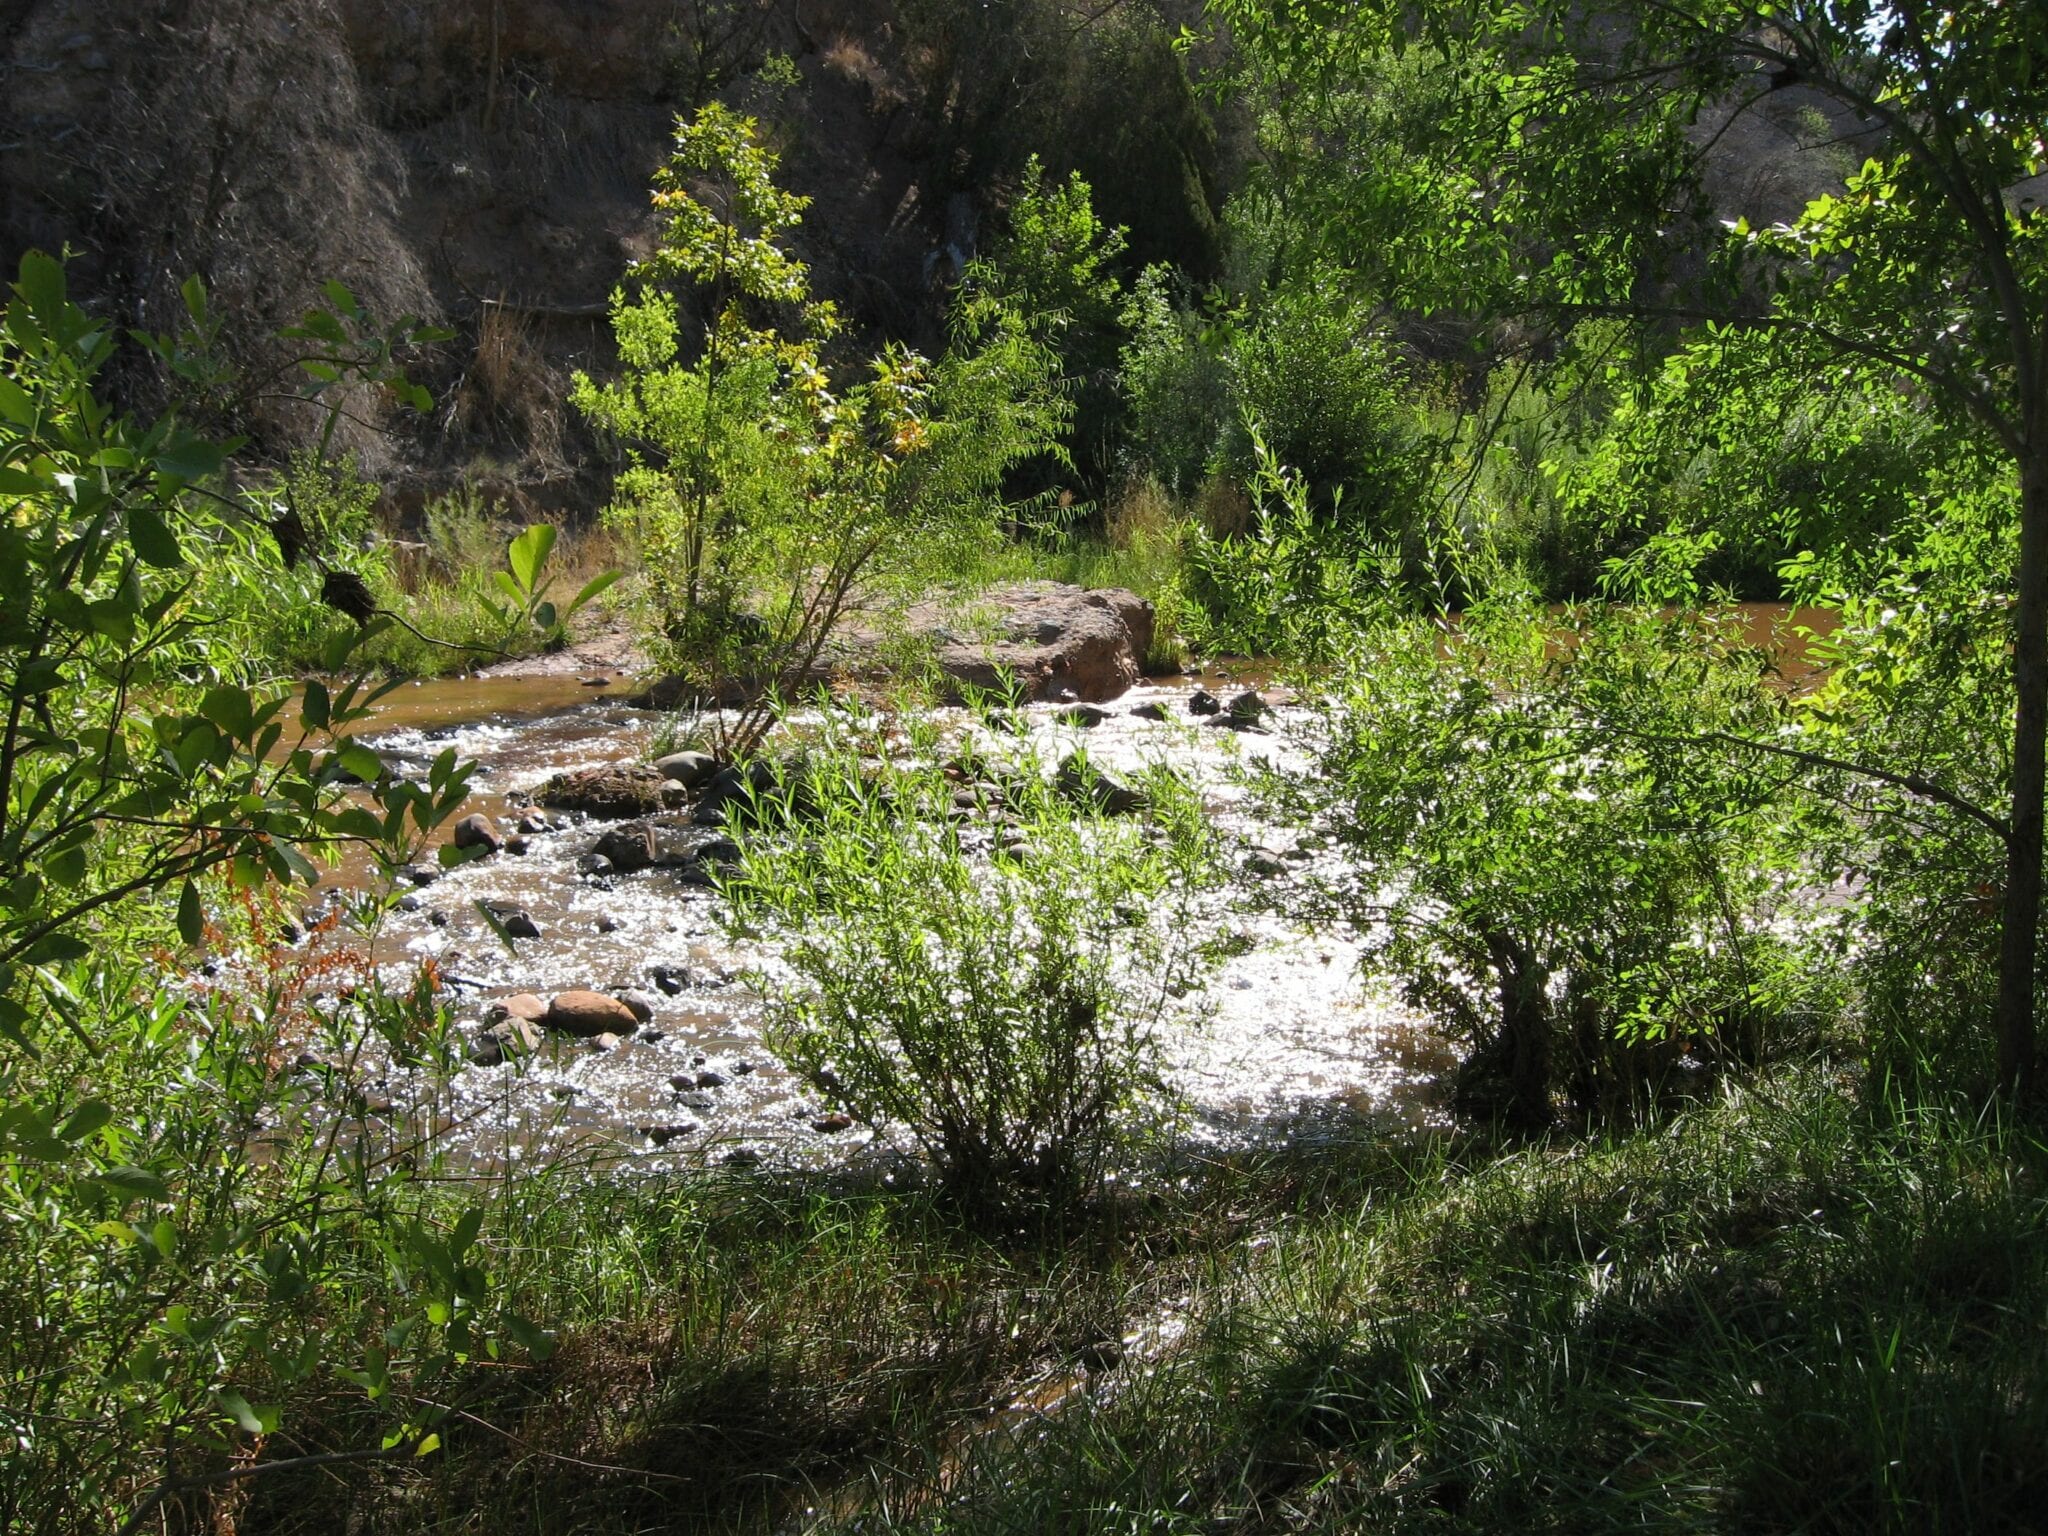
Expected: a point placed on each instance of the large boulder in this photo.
(1054, 640)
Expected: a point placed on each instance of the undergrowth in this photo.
(1785, 1310)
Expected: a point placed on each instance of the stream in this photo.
(1284, 1040)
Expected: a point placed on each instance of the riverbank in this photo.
(1805, 1305)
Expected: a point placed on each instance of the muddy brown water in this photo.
(1283, 1040)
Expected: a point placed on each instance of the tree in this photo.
(1565, 156)
(766, 495)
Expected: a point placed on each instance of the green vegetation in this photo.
(1480, 403)
(1006, 1016)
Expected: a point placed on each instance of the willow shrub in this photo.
(1001, 1005)
(1556, 844)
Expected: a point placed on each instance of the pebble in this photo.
(832, 1125)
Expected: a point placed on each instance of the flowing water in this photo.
(1284, 1039)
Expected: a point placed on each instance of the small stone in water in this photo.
(517, 845)
(478, 831)
(640, 1003)
(832, 1125)
(1153, 711)
(1203, 702)
(438, 918)
(607, 924)
(662, 1135)
(743, 1067)
(593, 864)
(671, 979)
(710, 1080)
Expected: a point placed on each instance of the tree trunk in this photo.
(2018, 938)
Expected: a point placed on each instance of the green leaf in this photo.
(255, 1421)
(41, 282)
(191, 917)
(360, 761)
(592, 588)
(231, 709)
(132, 1180)
(153, 540)
(65, 867)
(529, 552)
(84, 1120)
(316, 707)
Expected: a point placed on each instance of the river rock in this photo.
(1152, 711)
(671, 979)
(520, 1005)
(504, 1039)
(608, 793)
(478, 831)
(517, 922)
(1203, 702)
(589, 1014)
(833, 1124)
(662, 1135)
(1041, 637)
(641, 1005)
(1249, 705)
(692, 770)
(1045, 637)
(1081, 781)
(421, 874)
(629, 848)
(1086, 716)
(710, 1079)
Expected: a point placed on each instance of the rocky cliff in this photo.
(485, 163)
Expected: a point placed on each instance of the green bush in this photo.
(1000, 1006)
(1557, 856)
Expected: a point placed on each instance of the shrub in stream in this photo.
(989, 976)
